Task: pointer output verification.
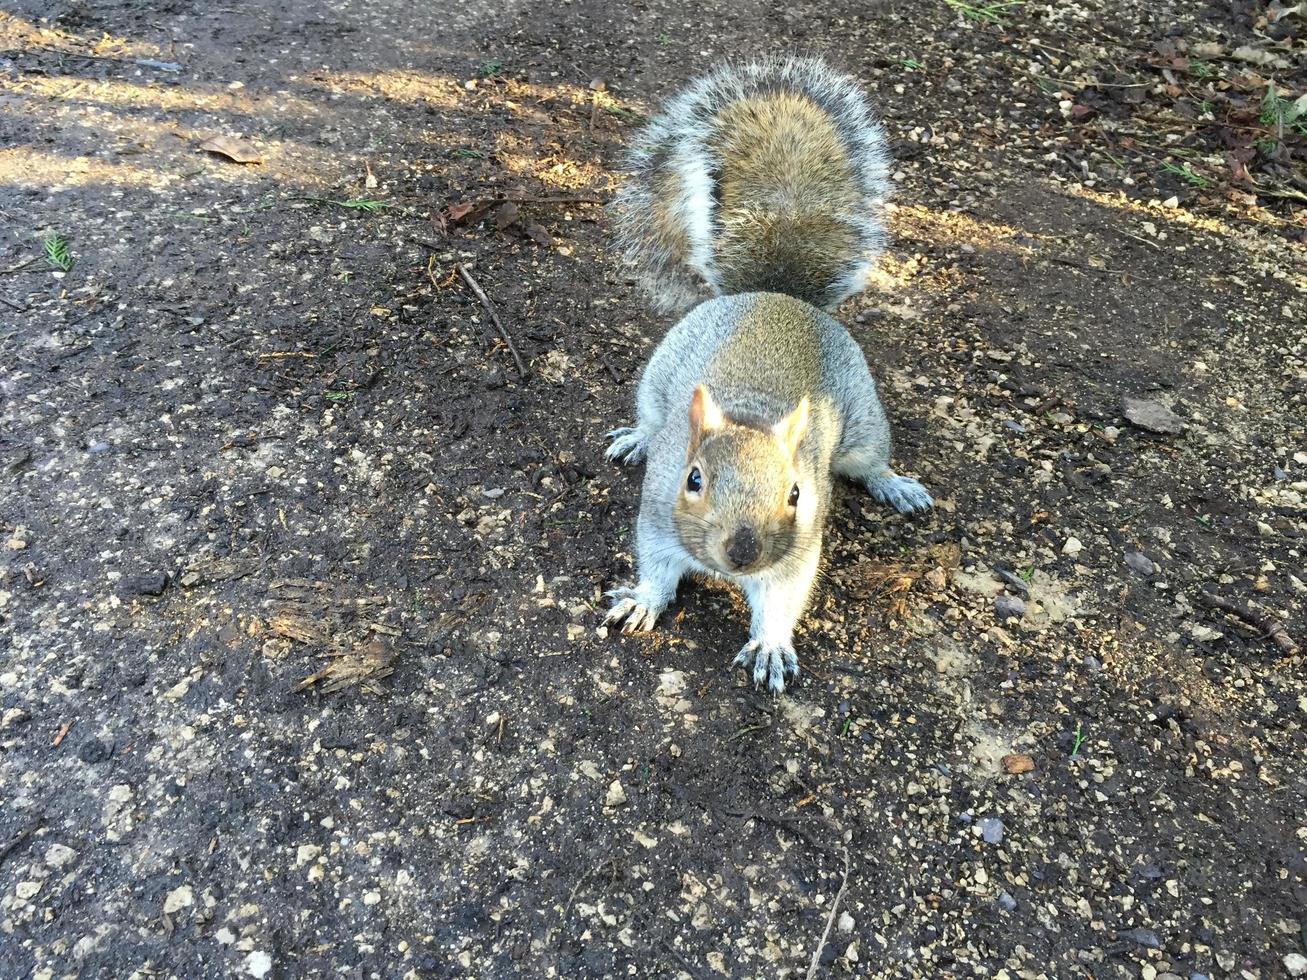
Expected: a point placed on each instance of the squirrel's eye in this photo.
(694, 482)
(794, 495)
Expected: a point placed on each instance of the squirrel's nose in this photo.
(742, 548)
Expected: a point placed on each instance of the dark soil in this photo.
(253, 437)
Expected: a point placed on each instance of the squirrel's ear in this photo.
(705, 416)
(790, 430)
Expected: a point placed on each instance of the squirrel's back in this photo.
(765, 177)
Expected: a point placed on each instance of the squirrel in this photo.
(763, 183)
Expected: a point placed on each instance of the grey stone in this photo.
(1145, 413)
(1009, 606)
(1144, 937)
(1140, 562)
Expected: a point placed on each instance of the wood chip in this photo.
(1018, 762)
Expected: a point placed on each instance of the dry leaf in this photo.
(506, 216)
(538, 234)
(233, 149)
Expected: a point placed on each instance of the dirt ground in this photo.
(301, 665)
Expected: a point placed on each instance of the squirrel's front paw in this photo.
(629, 445)
(637, 606)
(902, 493)
(771, 663)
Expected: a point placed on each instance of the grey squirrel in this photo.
(761, 184)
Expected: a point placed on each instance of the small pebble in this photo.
(93, 751)
(991, 829)
(845, 923)
(616, 794)
(1144, 937)
(258, 964)
(148, 583)
(179, 898)
(1072, 547)
(1296, 964)
(1009, 607)
(1006, 902)
(1140, 562)
(60, 856)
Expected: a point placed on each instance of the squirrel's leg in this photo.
(869, 465)
(660, 566)
(631, 443)
(864, 449)
(777, 605)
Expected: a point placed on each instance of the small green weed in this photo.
(365, 204)
(911, 64)
(1188, 174)
(1028, 573)
(490, 68)
(340, 396)
(470, 154)
(1284, 115)
(985, 13)
(57, 254)
(1077, 740)
(1201, 69)
(621, 112)
(1267, 145)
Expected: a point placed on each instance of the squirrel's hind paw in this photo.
(771, 664)
(636, 611)
(629, 445)
(902, 493)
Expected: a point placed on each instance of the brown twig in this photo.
(1273, 629)
(473, 285)
(17, 268)
(576, 199)
(612, 371)
(22, 835)
(830, 919)
(423, 242)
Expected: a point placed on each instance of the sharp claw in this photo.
(776, 684)
(771, 664)
(745, 656)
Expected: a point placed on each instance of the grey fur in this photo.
(795, 350)
(678, 140)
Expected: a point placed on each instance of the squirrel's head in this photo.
(743, 503)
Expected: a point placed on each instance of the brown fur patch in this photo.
(785, 184)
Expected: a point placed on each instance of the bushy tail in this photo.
(767, 176)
